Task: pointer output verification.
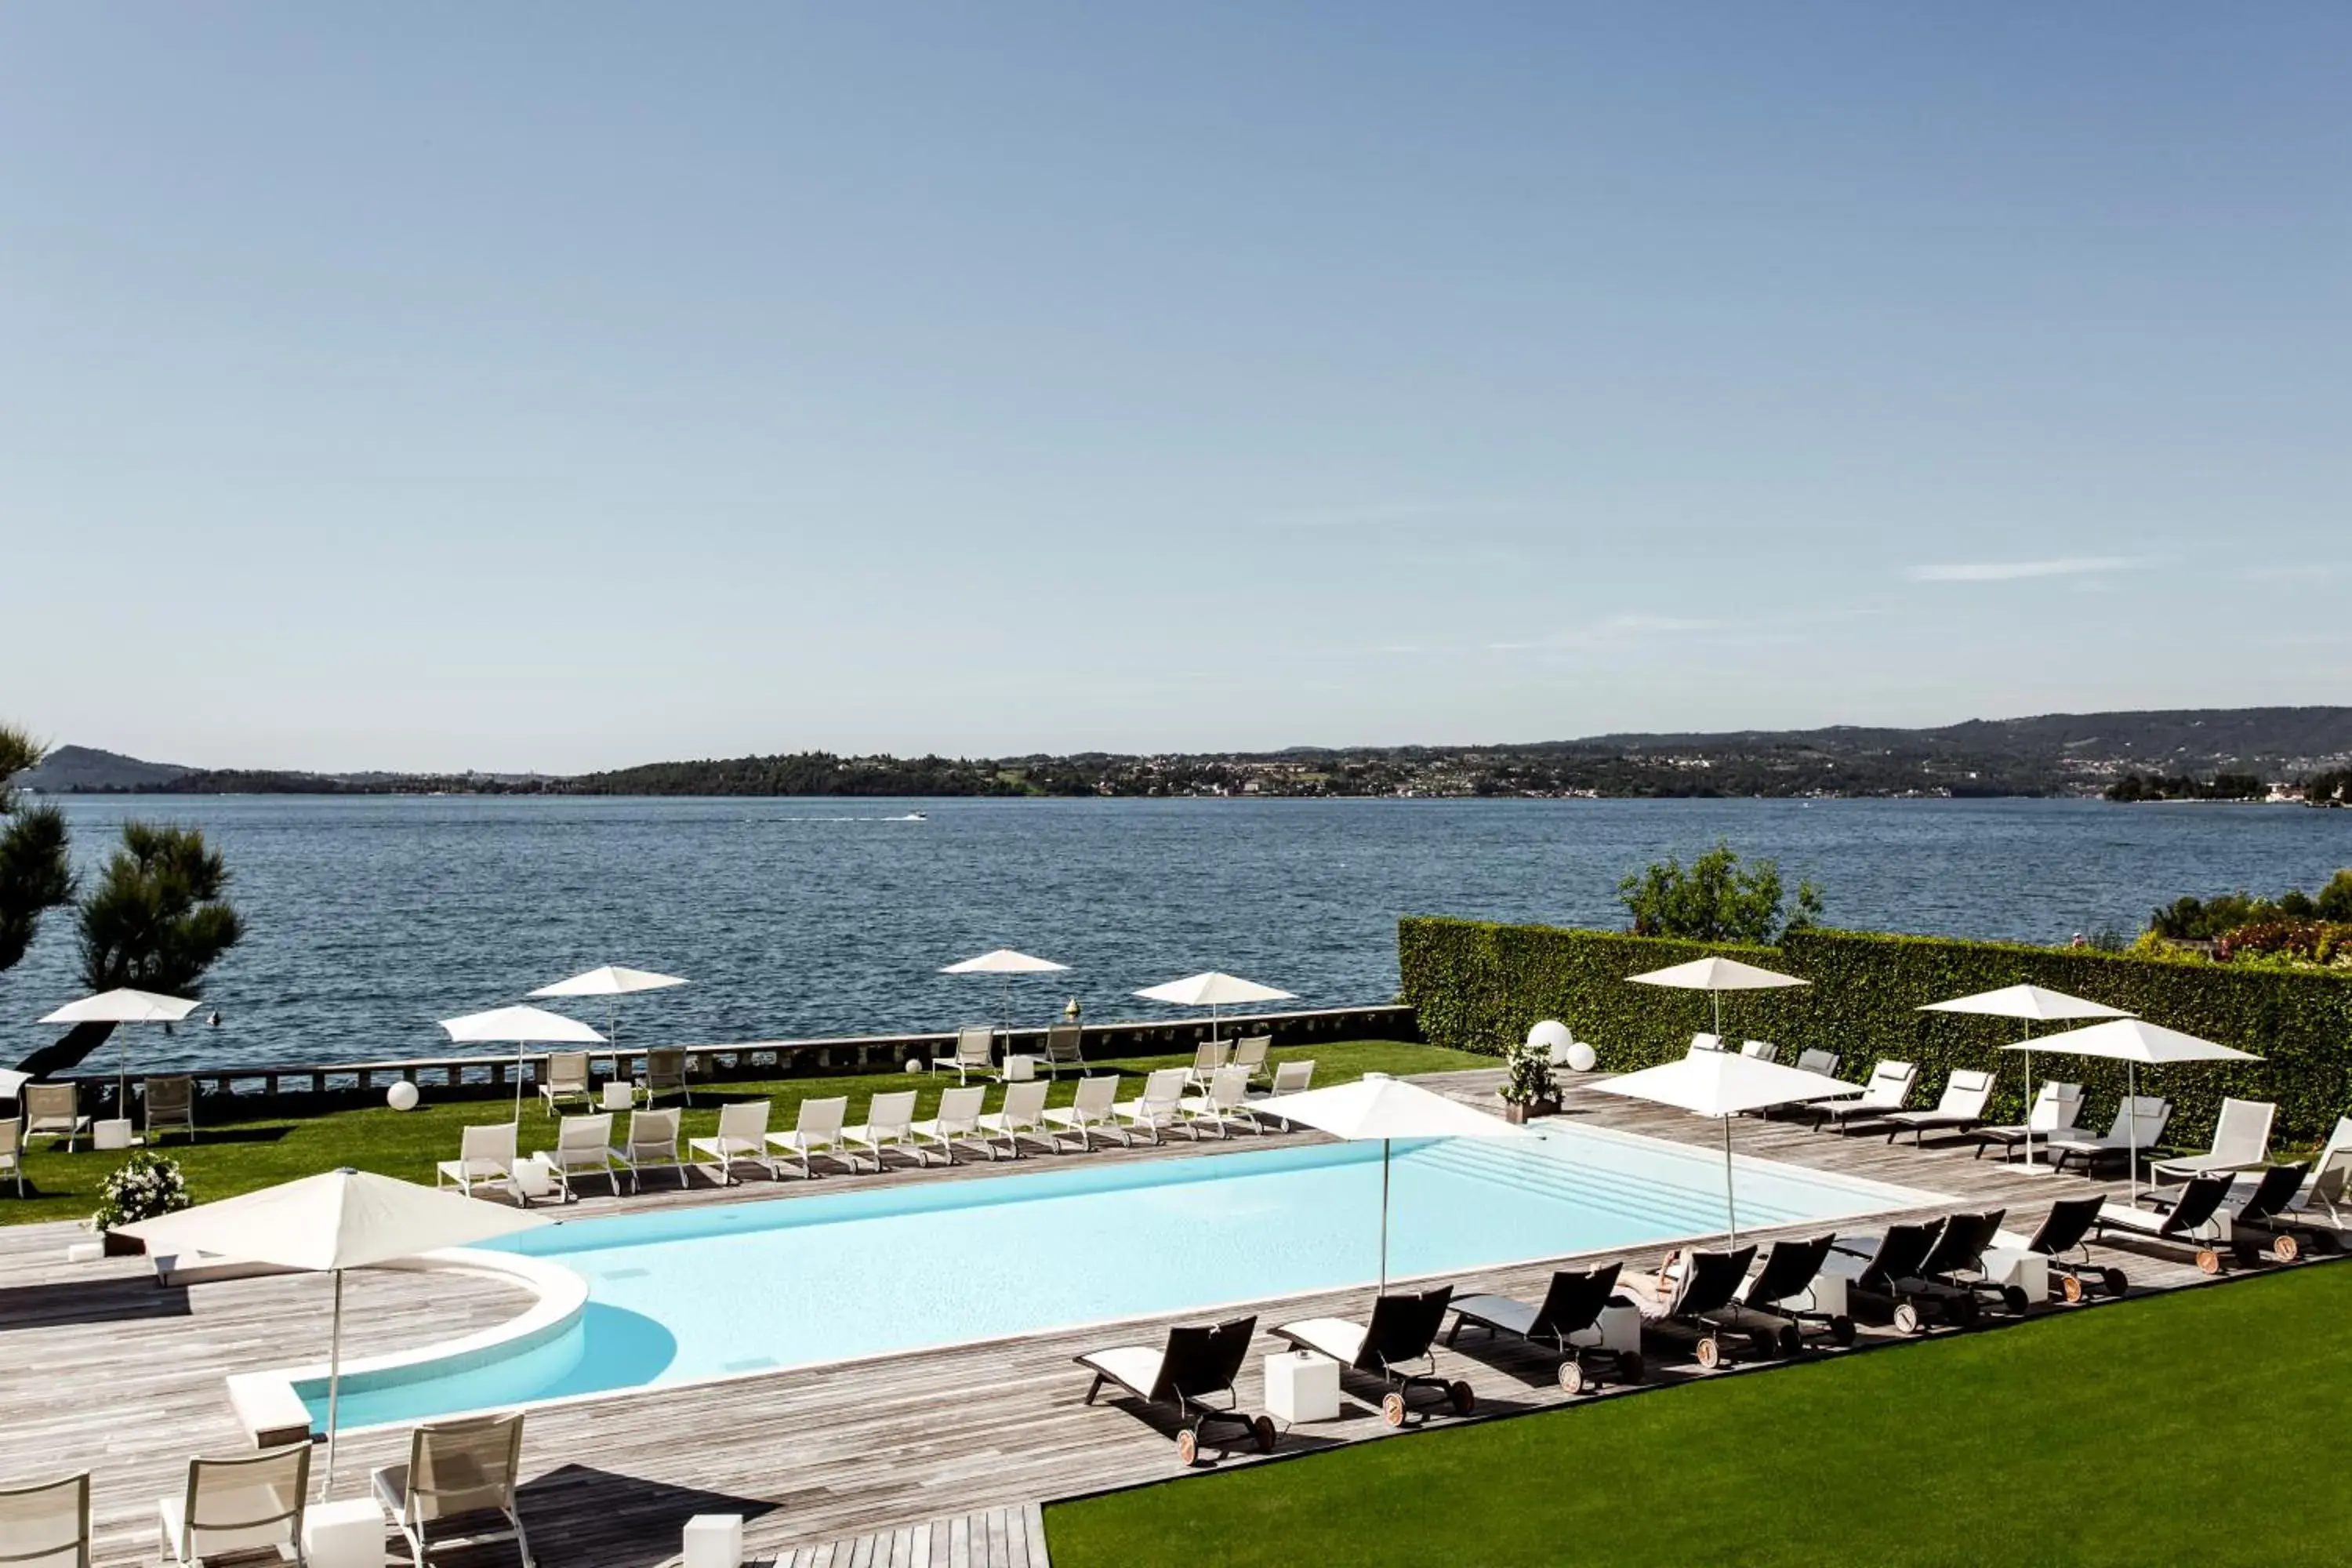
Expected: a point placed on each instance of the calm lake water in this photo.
(370, 918)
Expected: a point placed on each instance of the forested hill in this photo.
(2059, 753)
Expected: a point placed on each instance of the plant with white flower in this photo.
(146, 1185)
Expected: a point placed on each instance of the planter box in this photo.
(1517, 1115)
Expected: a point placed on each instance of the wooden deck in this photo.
(838, 1466)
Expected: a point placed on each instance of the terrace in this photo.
(936, 1456)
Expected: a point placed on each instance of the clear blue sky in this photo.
(561, 385)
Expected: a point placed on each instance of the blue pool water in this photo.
(687, 1295)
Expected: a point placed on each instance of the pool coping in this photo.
(563, 1294)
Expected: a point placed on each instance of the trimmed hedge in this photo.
(1478, 986)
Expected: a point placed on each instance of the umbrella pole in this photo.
(2028, 1099)
(1384, 1217)
(2131, 1122)
(334, 1386)
(1717, 997)
(519, 1082)
(1730, 1205)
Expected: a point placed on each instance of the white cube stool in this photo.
(1302, 1386)
(2028, 1271)
(619, 1094)
(1019, 1069)
(345, 1535)
(1621, 1329)
(534, 1177)
(714, 1540)
(113, 1134)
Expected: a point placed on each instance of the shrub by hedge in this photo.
(1478, 986)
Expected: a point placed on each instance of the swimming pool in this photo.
(690, 1294)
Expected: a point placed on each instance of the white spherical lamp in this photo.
(1580, 1057)
(400, 1095)
(1551, 1038)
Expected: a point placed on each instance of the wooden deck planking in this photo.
(109, 1371)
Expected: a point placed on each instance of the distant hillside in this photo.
(70, 769)
(2049, 755)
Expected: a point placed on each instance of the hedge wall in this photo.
(1478, 986)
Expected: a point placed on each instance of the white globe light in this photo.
(917, 1064)
(400, 1095)
(1580, 1057)
(1551, 1038)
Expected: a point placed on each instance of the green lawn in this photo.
(2200, 1427)
(230, 1158)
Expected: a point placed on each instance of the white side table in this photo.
(1019, 1069)
(2028, 1271)
(619, 1094)
(345, 1535)
(534, 1178)
(113, 1134)
(1621, 1329)
(1302, 1386)
(714, 1540)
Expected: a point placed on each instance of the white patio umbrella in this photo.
(327, 1223)
(524, 1026)
(1214, 990)
(1378, 1106)
(2033, 1004)
(1718, 975)
(1004, 963)
(2136, 1042)
(118, 1006)
(612, 982)
(1722, 1084)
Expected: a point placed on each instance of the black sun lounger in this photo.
(1957, 1260)
(1883, 1274)
(2063, 1232)
(1570, 1313)
(1199, 1362)
(2188, 1222)
(1403, 1329)
(2257, 1218)
(1778, 1298)
(1708, 1284)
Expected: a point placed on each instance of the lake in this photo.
(372, 916)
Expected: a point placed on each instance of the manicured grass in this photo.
(229, 1158)
(2200, 1427)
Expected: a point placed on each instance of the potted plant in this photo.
(1529, 1089)
(146, 1185)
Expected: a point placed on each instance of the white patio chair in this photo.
(742, 1135)
(1065, 1047)
(667, 1071)
(486, 1152)
(890, 1124)
(458, 1485)
(171, 1106)
(11, 1161)
(1089, 1113)
(1023, 1115)
(1207, 1057)
(650, 1144)
(818, 1133)
(47, 1523)
(975, 1052)
(238, 1505)
(957, 1122)
(582, 1143)
(1161, 1105)
(1250, 1052)
(53, 1111)
(566, 1080)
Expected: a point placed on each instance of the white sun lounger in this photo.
(486, 1153)
(1965, 1093)
(2149, 1113)
(2051, 1115)
(1023, 1115)
(890, 1124)
(1159, 1107)
(2324, 1203)
(582, 1143)
(1890, 1084)
(1091, 1112)
(1224, 1105)
(817, 1133)
(1822, 1062)
(957, 1122)
(650, 1144)
(743, 1136)
(1704, 1041)
(1761, 1051)
(1290, 1078)
(2242, 1142)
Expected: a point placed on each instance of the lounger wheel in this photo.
(1188, 1446)
(2285, 1249)
(1710, 1353)
(2070, 1288)
(1571, 1377)
(2014, 1298)
(1462, 1397)
(2116, 1283)
(2247, 1253)
(1765, 1344)
(1906, 1318)
(1841, 1331)
(2208, 1261)
(1630, 1366)
(1393, 1410)
(1262, 1428)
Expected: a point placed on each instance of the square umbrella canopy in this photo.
(2033, 1004)
(1723, 1084)
(1378, 1106)
(2136, 1042)
(1718, 975)
(123, 1005)
(327, 1223)
(1005, 962)
(612, 982)
(1214, 989)
(523, 1026)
